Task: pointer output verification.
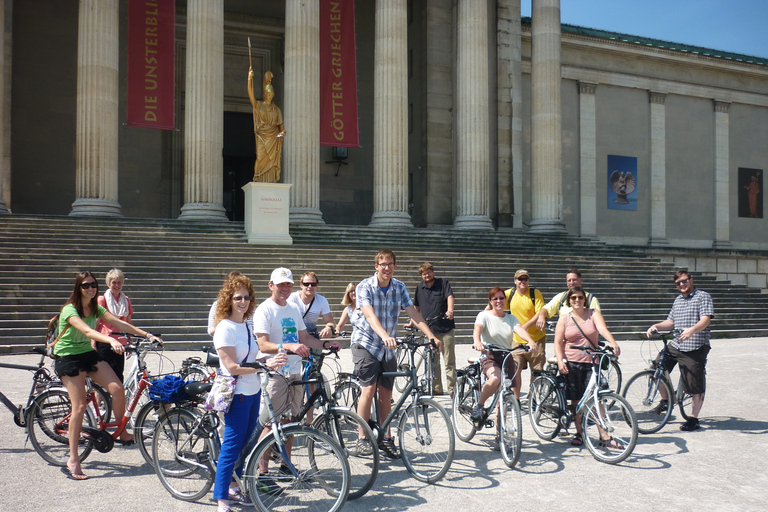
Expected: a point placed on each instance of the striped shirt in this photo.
(386, 307)
(686, 312)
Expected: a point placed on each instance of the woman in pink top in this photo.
(117, 303)
(579, 328)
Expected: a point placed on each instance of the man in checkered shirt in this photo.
(691, 313)
(380, 299)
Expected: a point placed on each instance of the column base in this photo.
(658, 242)
(3, 208)
(90, 207)
(203, 211)
(546, 226)
(305, 216)
(480, 222)
(391, 219)
(722, 244)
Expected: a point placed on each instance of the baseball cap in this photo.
(281, 275)
(521, 272)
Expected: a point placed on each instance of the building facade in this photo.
(470, 116)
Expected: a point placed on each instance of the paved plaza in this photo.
(722, 467)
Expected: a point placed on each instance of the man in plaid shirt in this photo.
(380, 299)
(691, 313)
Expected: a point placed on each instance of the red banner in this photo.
(338, 74)
(151, 63)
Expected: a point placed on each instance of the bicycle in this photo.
(603, 411)
(341, 423)
(424, 360)
(194, 369)
(469, 381)
(48, 422)
(646, 390)
(186, 446)
(426, 438)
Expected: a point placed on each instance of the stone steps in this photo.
(174, 270)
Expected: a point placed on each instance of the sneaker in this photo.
(690, 425)
(477, 413)
(388, 445)
(265, 485)
(284, 474)
(238, 496)
(661, 409)
(363, 447)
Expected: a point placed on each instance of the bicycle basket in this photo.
(169, 388)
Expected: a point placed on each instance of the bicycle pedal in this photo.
(489, 423)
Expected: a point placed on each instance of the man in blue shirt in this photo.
(380, 299)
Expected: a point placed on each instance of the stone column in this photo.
(510, 122)
(472, 117)
(722, 161)
(546, 122)
(658, 169)
(97, 98)
(588, 158)
(301, 149)
(390, 116)
(5, 169)
(204, 112)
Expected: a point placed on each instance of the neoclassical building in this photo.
(470, 116)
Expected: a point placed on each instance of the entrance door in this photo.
(239, 156)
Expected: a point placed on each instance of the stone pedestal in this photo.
(266, 213)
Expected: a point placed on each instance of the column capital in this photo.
(721, 106)
(587, 87)
(657, 97)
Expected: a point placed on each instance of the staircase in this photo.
(174, 270)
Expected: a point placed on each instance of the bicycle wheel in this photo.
(643, 393)
(614, 377)
(545, 406)
(404, 365)
(510, 429)
(610, 431)
(684, 400)
(344, 426)
(320, 482)
(145, 422)
(182, 451)
(347, 393)
(427, 442)
(47, 425)
(194, 373)
(465, 397)
(104, 401)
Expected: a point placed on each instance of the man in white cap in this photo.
(277, 323)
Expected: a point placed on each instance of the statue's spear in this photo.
(250, 62)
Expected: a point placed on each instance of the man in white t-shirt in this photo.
(313, 306)
(276, 322)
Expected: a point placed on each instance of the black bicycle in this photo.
(652, 395)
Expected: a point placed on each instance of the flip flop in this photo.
(72, 475)
(577, 440)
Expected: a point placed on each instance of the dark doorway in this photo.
(239, 156)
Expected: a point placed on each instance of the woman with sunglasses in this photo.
(235, 344)
(351, 312)
(579, 328)
(76, 358)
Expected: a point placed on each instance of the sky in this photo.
(738, 26)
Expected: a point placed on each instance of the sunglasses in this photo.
(577, 297)
(85, 286)
(682, 281)
(238, 298)
(309, 285)
(498, 298)
(523, 278)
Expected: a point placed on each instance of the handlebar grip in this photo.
(255, 364)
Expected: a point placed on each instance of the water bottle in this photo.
(285, 371)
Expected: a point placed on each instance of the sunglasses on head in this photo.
(85, 286)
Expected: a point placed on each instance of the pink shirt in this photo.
(104, 327)
(574, 338)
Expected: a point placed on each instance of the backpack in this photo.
(532, 295)
(52, 334)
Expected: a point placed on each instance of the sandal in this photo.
(611, 444)
(577, 440)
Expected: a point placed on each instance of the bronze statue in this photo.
(269, 129)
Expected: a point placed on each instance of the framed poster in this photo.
(750, 193)
(622, 182)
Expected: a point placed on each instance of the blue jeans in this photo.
(239, 422)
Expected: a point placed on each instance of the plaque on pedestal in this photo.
(266, 213)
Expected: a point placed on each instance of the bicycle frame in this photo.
(41, 376)
(661, 372)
